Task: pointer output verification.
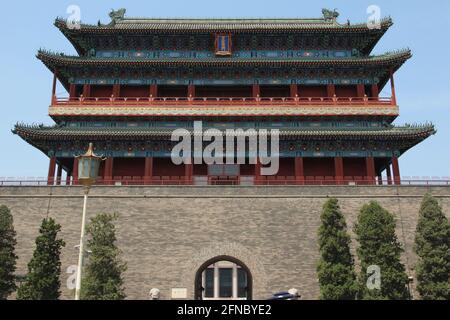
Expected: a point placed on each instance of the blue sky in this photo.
(422, 84)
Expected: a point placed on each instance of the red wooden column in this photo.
(68, 179)
(257, 180)
(256, 90)
(105, 171)
(394, 96)
(331, 90)
(75, 171)
(388, 174)
(148, 174)
(191, 91)
(188, 173)
(380, 179)
(87, 90)
(72, 90)
(370, 170)
(293, 90)
(116, 90)
(395, 170)
(361, 91)
(154, 90)
(375, 91)
(59, 175)
(51, 171)
(108, 174)
(299, 170)
(53, 89)
(339, 170)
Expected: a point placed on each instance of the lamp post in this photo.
(88, 166)
(410, 282)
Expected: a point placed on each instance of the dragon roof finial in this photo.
(117, 15)
(330, 15)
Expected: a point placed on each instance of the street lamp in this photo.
(88, 166)
(410, 293)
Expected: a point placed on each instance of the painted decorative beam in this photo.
(316, 109)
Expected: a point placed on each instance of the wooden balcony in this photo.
(231, 101)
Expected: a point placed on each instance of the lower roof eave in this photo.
(40, 138)
(59, 133)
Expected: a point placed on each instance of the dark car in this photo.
(284, 296)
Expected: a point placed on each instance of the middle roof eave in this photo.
(53, 60)
(387, 62)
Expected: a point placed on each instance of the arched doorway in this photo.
(223, 278)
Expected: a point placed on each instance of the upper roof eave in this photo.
(141, 26)
(138, 25)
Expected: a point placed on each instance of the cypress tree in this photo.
(336, 273)
(432, 245)
(7, 256)
(42, 281)
(103, 279)
(378, 246)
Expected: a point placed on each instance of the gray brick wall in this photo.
(166, 233)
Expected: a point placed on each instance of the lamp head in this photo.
(88, 166)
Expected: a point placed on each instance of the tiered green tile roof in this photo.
(386, 139)
(64, 66)
(360, 35)
(390, 59)
(413, 133)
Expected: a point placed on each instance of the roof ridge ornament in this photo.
(330, 15)
(117, 15)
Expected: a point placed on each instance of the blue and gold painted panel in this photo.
(342, 124)
(223, 45)
(245, 54)
(228, 81)
(283, 154)
(240, 41)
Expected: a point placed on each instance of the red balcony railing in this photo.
(236, 181)
(233, 101)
